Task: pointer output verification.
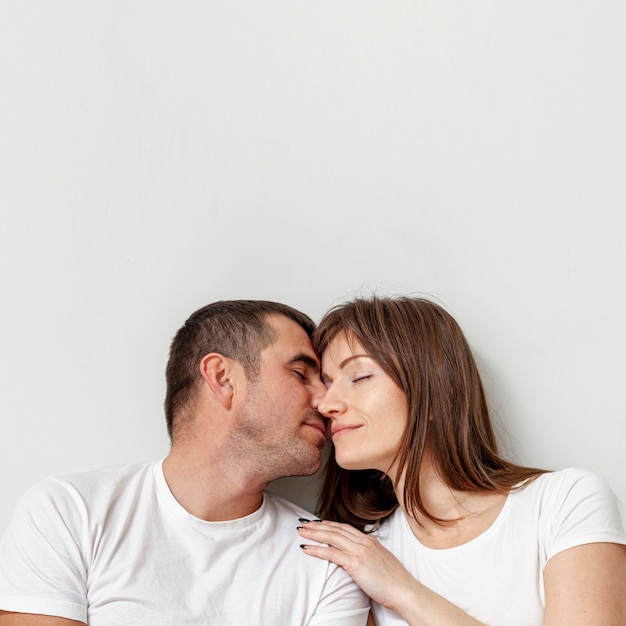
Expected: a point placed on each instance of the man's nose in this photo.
(319, 389)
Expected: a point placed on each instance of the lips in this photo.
(319, 426)
(338, 430)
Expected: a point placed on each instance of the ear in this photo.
(218, 372)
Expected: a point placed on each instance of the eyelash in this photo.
(328, 383)
(300, 374)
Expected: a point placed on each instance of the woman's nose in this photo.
(330, 405)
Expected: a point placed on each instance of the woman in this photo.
(455, 533)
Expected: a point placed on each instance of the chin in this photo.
(351, 464)
(310, 466)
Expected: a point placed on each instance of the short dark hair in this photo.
(423, 350)
(238, 329)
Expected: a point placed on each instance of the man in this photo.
(193, 539)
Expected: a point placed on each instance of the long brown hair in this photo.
(423, 350)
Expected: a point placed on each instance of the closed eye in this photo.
(358, 379)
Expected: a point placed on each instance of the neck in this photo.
(215, 490)
(440, 500)
(468, 513)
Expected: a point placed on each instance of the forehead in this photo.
(290, 340)
(340, 347)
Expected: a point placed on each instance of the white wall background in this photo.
(156, 156)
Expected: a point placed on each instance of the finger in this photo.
(338, 557)
(337, 538)
(320, 531)
(328, 525)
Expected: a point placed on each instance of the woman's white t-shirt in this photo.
(497, 577)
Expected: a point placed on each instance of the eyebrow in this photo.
(352, 358)
(307, 360)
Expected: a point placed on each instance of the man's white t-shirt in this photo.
(498, 577)
(113, 547)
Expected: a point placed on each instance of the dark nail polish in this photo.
(304, 520)
(298, 527)
(303, 546)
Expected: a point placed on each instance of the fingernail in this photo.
(304, 546)
(298, 527)
(304, 520)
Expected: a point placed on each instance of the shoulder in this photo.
(573, 506)
(278, 530)
(567, 484)
(71, 508)
(80, 490)
(282, 508)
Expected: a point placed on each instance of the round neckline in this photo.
(172, 505)
(483, 536)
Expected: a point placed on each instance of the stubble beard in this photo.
(257, 453)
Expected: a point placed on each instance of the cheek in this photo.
(397, 410)
(391, 430)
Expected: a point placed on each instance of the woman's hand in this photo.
(378, 572)
(381, 575)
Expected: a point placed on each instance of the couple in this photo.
(420, 512)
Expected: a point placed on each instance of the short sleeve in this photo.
(42, 567)
(342, 602)
(586, 511)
